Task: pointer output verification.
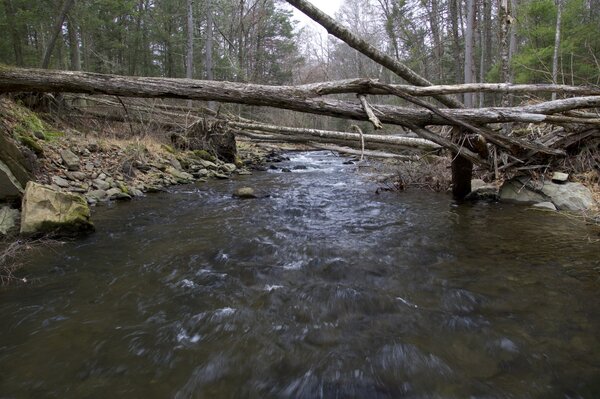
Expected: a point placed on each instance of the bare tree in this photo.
(469, 47)
(56, 29)
(556, 45)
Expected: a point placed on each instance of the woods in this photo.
(253, 53)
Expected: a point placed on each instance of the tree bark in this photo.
(469, 46)
(556, 46)
(74, 52)
(58, 23)
(304, 98)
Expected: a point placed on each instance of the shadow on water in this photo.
(323, 289)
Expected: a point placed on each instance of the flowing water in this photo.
(323, 289)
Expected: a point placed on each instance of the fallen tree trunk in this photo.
(285, 97)
(406, 142)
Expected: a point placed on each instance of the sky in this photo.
(329, 6)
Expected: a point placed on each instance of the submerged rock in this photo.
(481, 191)
(46, 211)
(245, 193)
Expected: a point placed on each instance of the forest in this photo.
(259, 41)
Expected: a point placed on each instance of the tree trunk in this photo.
(556, 45)
(455, 39)
(58, 23)
(209, 47)
(469, 46)
(14, 32)
(189, 56)
(304, 98)
(74, 52)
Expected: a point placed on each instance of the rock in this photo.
(567, 196)
(300, 167)
(208, 164)
(180, 177)
(220, 176)
(60, 182)
(201, 173)
(517, 190)
(477, 183)
(286, 170)
(244, 173)
(228, 168)
(101, 184)
(15, 170)
(10, 187)
(174, 162)
(545, 205)
(76, 175)
(70, 160)
(273, 167)
(134, 192)
(348, 163)
(58, 213)
(117, 194)
(559, 177)
(8, 219)
(483, 193)
(89, 167)
(245, 193)
(96, 195)
(93, 146)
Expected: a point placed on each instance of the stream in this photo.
(323, 289)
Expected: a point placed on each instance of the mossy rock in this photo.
(203, 154)
(32, 144)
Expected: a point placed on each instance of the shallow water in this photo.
(323, 289)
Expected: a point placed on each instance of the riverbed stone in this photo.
(220, 175)
(545, 205)
(201, 173)
(46, 211)
(228, 167)
(117, 194)
(60, 182)
(101, 184)
(70, 160)
(8, 219)
(180, 177)
(76, 175)
(208, 164)
(245, 193)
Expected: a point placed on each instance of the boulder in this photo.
(15, 170)
(8, 219)
(10, 187)
(70, 160)
(46, 211)
(245, 193)
(208, 164)
(101, 184)
(517, 190)
(567, 196)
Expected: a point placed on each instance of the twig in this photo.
(369, 111)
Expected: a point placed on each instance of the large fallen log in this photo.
(285, 97)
